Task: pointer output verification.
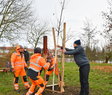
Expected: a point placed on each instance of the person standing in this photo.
(26, 55)
(83, 63)
(18, 64)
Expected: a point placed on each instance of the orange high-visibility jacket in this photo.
(18, 61)
(37, 63)
(53, 61)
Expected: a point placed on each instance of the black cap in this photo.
(37, 50)
(78, 42)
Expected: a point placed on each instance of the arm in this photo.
(67, 49)
(61, 47)
(74, 51)
(44, 64)
(13, 58)
(25, 65)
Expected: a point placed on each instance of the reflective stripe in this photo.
(38, 59)
(34, 69)
(19, 62)
(16, 85)
(45, 65)
(35, 64)
(30, 92)
(26, 83)
(19, 65)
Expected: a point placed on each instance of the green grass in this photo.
(100, 82)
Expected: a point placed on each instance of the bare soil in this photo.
(69, 90)
(103, 68)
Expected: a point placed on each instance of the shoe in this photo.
(27, 87)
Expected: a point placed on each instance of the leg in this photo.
(41, 84)
(16, 86)
(24, 78)
(32, 88)
(84, 80)
(48, 73)
(16, 79)
(26, 84)
(81, 81)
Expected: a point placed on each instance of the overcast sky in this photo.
(75, 13)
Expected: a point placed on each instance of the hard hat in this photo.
(19, 47)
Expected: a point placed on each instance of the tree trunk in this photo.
(107, 59)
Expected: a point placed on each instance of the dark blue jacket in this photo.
(79, 55)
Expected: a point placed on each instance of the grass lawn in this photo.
(100, 81)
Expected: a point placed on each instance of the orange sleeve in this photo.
(25, 65)
(54, 60)
(13, 58)
(44, 64)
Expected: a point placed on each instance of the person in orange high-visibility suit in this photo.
(37, 62)
(18, 67)
(54, 67)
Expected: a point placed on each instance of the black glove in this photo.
(49, 60)
(61, 47)
(50, 69)
(26, 68)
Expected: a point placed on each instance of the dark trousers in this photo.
(84, 75)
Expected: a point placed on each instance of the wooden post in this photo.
(45, 49)
(63, 57)
(54, 37)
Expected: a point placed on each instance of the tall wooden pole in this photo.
(54, 38)
(45, 49)
(63, 57)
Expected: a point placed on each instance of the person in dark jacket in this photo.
(26, 55)
(83, 63)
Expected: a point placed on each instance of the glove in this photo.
(49, 60)
(50, 69)
(26, 68)
(12, 70)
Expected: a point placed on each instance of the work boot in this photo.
(27, 86)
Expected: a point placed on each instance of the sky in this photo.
(75, 13)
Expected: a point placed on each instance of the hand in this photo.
(12, 70)
(62, 50)
(51, 68)
(59, 46)
(26, 68)
(49, 60)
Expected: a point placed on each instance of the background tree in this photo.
(88, 34)
(14, 17)
(36, 32)
(108, 31)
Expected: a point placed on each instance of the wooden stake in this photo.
(63, 57)
(54, 37)
(45, 49)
